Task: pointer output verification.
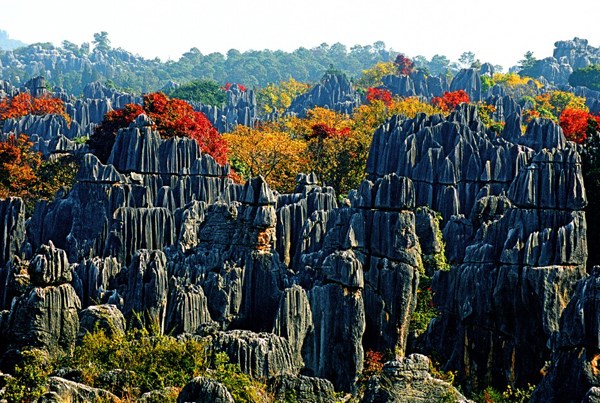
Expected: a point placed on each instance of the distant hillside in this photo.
(72, 66)
(7, 43)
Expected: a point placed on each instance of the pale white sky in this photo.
(499, 32)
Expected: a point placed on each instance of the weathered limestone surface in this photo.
(303, 389)
(335, 92)
(261, 355)
(202, 389)
(12, 230)
(46, 315)
(64, 390)
(409, 380)
(572, 373)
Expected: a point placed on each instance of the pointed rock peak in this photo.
(394, 192)
(543, 133)
(143, 120)
(92, 170)
(257, 192)
(50, 266)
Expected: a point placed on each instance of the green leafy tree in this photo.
(467, 59)
(586, 77)
(207, 92)
(528, 61)
(439, 65)
(101, 41)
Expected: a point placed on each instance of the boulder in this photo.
(409, 380)
(202, 389)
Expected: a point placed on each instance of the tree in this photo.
(586, 77)
(71, 47)
(372, 77)
(552, 104)
(18, 166)
(527, 62)
(404, 65)
(208, 92)
(369, 116)
(467, 59)
(337, 152)
(24, 104)
(268, 151)
(450, 100)
(103, 139)
(279, 97)
(171, 117)
(379, 94)
(101, 41)
(439, 65)
(578, 124)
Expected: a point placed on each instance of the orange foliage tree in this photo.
(337, 150)
(24, 104)
(171, 117)
(450, 100)
(18, 167)
(268, 151)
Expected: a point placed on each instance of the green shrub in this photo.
(148, 362)
(30, 377)
(510, 395)
(241, 386)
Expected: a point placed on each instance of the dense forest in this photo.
(325, 225)
(71, 66)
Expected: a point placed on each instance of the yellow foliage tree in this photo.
(337, 151)
(517, 86)
(372, 77)
(369, 116)
(279, 97)
(552, 104)
(267, 151)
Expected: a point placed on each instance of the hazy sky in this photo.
(499, 32)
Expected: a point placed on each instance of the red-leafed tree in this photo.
(227, 87)
(450, 100)
(379, 94)
(171, 117)
(24, 104)
(404, 64)
(577, 124)
(103, 139)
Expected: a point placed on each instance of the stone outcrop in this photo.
(362, 277)
(416, 84)
(572, 371)
(469, 81)
(64, 390)
(129, 204)
(261, 355)
(146, 288)
(187, 308)
(301, 389)
(567, 56)
(12, 233)
(240, 108)
(527, 251)
(294, 321)
(235, 260)
(409, 380)
(202, 389)
(335, 92)
(106, 317)
(46, 315)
